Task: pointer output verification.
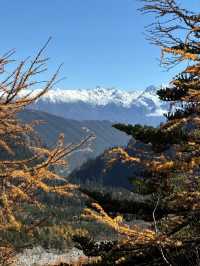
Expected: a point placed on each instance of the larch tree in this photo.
(174, 181)
(25, 167)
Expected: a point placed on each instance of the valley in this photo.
(106, 175)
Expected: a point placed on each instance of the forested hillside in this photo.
(116, 166)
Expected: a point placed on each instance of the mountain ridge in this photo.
(111, 104)
(75, 131)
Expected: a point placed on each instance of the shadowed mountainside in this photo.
(74, 131)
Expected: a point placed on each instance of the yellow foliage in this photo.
(122, 155)
(184, 54)
(116, 223)
(164, 166)
(21, 179)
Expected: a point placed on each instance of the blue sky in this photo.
(100, 42)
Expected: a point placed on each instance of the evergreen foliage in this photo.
(174, 238)
(160, 139)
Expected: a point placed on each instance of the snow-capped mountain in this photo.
(96, 97)
(115, 105)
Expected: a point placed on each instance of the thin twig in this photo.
(157, 232)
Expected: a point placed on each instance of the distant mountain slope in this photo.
(74, 131)
(117, 166)
(113, 167)
(105, 104)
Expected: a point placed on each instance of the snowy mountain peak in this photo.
(136, 106)
(98, 96)
(151, 90)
